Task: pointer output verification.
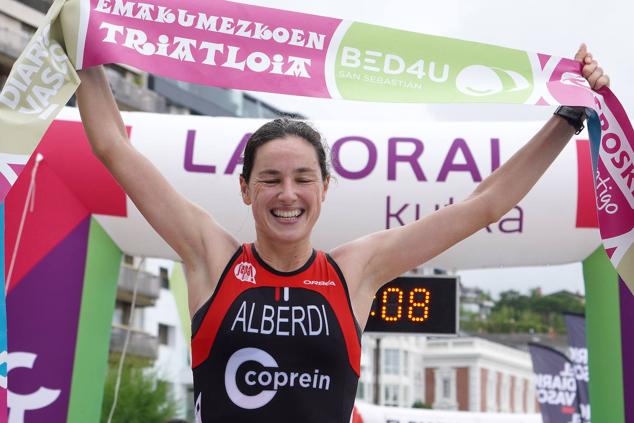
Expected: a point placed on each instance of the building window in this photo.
(519, 392)
(405, 363)
(391, 395)
(446, 388)
(165, 334)
(392, 362)
(121, 314)
(419, 386)
(491, 391)
(506, 397)
(165, 280)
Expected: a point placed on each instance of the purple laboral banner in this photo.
(555, 385)
(578, 353)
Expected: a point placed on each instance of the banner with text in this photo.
(555, 385)
(386, 175)
(578, 353)
(249, 47)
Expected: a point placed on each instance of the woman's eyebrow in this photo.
(305, 170)
(275, 172)
(269, 172)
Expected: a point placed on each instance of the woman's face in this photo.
(285, 189)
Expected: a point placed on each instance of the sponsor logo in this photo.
(617, 155)
(245, 272)
(19, 404)
(269, 378)
(320, 283)
(576, 80)
(481, 81)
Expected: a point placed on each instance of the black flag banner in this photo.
(578, 353)
(555, 385)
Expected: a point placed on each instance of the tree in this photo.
(142, 397)
(518, 313)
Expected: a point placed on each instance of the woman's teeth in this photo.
(287, 213)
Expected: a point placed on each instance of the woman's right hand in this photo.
(203, 245)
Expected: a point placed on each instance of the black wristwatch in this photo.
(574, 115)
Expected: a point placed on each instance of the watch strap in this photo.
(575, 116)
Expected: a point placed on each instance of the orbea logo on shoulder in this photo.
(245, 272)
(320, 283)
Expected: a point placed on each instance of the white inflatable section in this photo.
(380, 414)
(388, 174)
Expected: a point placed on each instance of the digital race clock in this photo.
(416, 305)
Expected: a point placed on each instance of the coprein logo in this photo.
(269, 379)
(19, 404)
(481, 81)
(245, 272)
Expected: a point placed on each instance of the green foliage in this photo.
(420, 404)
(518, 313)
(142, 397)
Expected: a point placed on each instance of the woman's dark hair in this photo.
(281, 128)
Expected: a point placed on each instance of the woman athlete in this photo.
(276, 325)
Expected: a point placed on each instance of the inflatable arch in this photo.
(62, 285)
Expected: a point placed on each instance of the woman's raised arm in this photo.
(203, 245)
(380, 257)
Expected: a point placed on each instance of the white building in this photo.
(473, 374)
(157, 335)
(400, 377)
(173, 363)
(466, 374)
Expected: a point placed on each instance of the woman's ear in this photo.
(244, 190)
(326, 184)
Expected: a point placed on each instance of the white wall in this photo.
(174, 360)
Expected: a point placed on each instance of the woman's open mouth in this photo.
(288, 215)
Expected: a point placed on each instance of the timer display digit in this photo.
(420, 305)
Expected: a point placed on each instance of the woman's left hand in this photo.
(591, 69)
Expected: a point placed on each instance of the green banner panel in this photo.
(604, 339)
(93, 339)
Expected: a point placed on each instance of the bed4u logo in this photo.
(245, 272)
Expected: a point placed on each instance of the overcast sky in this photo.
(554, 27)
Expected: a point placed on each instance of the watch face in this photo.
(416, 305)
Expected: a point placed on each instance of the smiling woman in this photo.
(267, 345)
(285, 188)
